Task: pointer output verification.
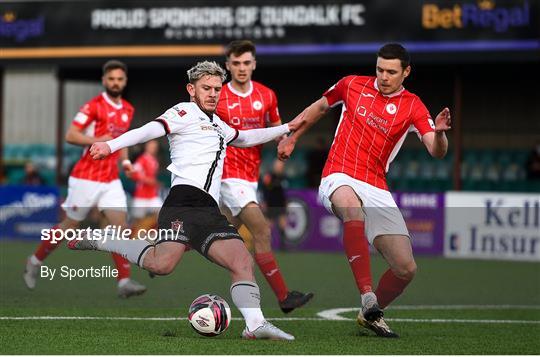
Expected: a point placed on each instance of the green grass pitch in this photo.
(484, 307)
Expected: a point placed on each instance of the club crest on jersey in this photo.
(391, 108)
(257, 105)
(177, 226)
(125, 117)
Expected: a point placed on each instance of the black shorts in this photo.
(192, 217)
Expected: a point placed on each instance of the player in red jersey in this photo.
(96, 183)
(246, 104)
(376, 116)
(146, 199)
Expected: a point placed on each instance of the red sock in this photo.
(357, 251)
(46, 247)
(267, 264)
(123, 266)
(389, 288)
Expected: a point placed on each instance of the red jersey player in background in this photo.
(246, 104)
(377, 114)
(96, 183)
(146, 199)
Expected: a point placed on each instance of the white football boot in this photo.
(131, 288)
(266, 332)
(31, 273)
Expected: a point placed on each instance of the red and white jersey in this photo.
(101, 116)
(146, 166)
(372, 128)
(251, 110)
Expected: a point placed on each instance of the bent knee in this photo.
(406, 271)
(350, 213)
(161, 267)
(242, 263)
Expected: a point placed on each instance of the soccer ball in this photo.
(209, 315)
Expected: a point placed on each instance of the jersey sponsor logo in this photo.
(181, 112)
(234, 105)
(257, 105)
(125, 117)
(369, 95)
(391, 108)
(213, 127)
(361, 110)
(111, 114)
(235, 121)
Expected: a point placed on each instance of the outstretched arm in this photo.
(76, 136)
(254, 137)
(308, 117)
(436, 141)
(143, 134)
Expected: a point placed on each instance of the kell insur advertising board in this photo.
(492, 226)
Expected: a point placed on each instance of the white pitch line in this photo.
(467, 321)
(464, 307)
(335, 314)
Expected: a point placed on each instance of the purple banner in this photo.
(312, 228)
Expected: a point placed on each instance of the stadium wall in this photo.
(29, 104)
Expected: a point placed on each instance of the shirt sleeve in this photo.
(421, 119)
(149, 131)
(174, 120)
(273, 111)
(230, 133)
(336, 94)
(254, 137)
(85, 116)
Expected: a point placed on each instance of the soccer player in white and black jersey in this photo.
(198, 140)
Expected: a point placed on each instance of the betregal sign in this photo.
(492, 226)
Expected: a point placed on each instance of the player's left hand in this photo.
(100, 150)
(443, 121)
(285, 148)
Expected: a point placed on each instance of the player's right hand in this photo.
(285, 148)
(99, 150)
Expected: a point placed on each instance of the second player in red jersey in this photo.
(245, 104)
(377, 114)
(372, 128)
(256, 108)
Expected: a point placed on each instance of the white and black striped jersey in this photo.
(197, 146)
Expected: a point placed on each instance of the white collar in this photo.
(240, 94)
(109, 100)
(387, 95)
